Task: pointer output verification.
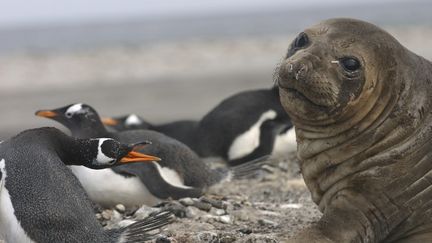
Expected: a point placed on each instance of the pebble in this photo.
(98, 216)
(207, 237)
(226, 219)
(241, 215)
(120, 208)
(227, 239)
(165, 239)
(187, 201)
(291, 205)
(116, 216)
(264, 222)
(202, 205)
(215, 203)
(106, 214)
(193, 212)
(245, 231)
(144, 211)
(217, 212)
(178, 209)
(208, 217)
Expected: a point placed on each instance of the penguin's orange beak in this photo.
(133, 156)
(46, 114)
(108, 121)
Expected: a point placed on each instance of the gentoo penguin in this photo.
(242, 127)
(182, 130)
(180, 173)
(42, 201)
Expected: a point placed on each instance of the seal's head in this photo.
(332, 68)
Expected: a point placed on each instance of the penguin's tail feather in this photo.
(250, 168)
(146, 229)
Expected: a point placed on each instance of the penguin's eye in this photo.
(350, 64)
(301, 41)
(69, 114)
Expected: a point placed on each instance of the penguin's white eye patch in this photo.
(102, 157)
(74, 109)
(133, 120)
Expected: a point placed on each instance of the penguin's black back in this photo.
(183, 131)
(234, 116)
(48, 200)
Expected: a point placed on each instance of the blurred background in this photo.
(165, 60)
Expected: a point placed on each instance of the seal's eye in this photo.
(301, 40)
(350, 64)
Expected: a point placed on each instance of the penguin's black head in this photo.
(107, 152)
(76, 117)
(131, 121)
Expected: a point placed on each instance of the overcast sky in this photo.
(23, 12)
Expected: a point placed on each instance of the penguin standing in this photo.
(42, 201)
(242, 127)
(180, 173)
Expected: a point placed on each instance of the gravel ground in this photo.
(264, 209)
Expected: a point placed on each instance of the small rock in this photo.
(165, 239)
(144, 211)
(207, 237)
(131, 210)
(267, 222)
(217, 212)
(227, 239)
(120, 208)
(245, 231)
(241, 215)
(98, 216)
(202, 205)
(116, 216)
(247, 203)
(291, 205)
(187, 201)
(226, 219)
(193, 212)
(215, 203)
(207, 218)
(176, 208)
(106, 214)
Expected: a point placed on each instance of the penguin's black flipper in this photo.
(141, 231)
(249, 168)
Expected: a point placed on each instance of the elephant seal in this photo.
(361, 104)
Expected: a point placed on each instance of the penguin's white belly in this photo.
(109, 188)
(248, 141)
(10, 227)
(285, 143)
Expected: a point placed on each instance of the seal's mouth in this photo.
(299, 94)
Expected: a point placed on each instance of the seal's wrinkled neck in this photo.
(377, 139)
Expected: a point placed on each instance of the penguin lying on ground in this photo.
(183, 130)
(242, 127)
(41, 200)
(180, 173)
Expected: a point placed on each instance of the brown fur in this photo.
(364, 138)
